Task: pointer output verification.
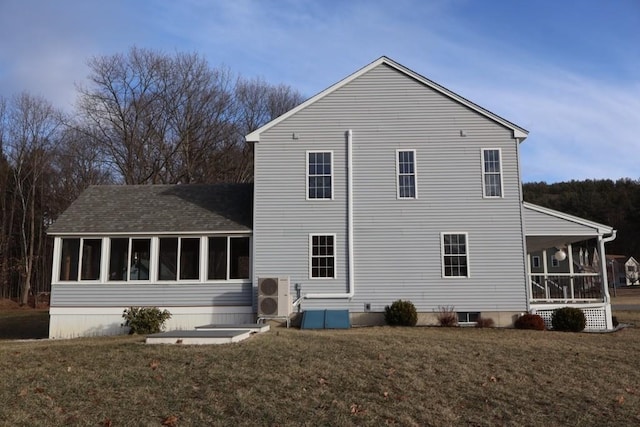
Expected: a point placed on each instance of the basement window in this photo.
(467, 317)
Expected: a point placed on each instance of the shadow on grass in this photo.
(24, 324)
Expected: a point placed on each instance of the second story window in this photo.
(406, 167)
(492, 173)
(319, 175)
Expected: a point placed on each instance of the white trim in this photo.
(307, 180)
(442, 254)
(484, 174)
(335, 256)
(415, 173)
(518, 132)
(147, 233)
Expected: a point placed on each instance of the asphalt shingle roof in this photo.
(159, 209)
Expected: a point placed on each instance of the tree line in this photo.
(143, 117)
(613, 203)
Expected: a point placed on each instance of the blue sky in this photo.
(568, 71)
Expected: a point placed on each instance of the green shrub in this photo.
(530, 321)
(447, 316)
(145, 320)
(568, 319)
(484, 322)
(401, 313)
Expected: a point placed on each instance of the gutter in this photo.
(350, 272)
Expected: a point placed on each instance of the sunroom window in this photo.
(229, 258)
(80, 258)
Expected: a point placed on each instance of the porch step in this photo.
(208, 334)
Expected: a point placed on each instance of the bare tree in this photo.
(31, 134)
(174, 119)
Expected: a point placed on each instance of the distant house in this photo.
(384, 186)
(616, 271)
(631, 269)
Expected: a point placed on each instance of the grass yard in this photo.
(363, 376)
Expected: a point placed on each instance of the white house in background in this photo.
(384, 186)
(631, 269)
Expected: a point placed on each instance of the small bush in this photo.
(401, 313)
(447, 316)
(145, 320)
(484, 322)
(530, 321)
(568, 319)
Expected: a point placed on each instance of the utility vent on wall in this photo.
(274, 299)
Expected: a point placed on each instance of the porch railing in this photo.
(566, 287)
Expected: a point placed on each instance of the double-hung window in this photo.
(455, 255)
(322, 255)
(492, 172)
(319, 175)
(406, 167)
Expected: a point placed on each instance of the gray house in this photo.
(384, 186)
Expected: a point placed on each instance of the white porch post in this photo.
(605, 287)
(571, 279)
(545, 271)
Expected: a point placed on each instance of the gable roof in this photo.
(158, 209)
(518, 132)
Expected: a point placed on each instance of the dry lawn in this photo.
(363, 376)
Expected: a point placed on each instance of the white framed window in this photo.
(178, 258)
(535, 261)
(492, 172)
(467, 317)
(229, 257)
(406, 174)
(129, 259)
(455, 254)
(322, 256)
(320, 175)
(554, 262)
(80, 259)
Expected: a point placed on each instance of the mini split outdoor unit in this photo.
(274, 299)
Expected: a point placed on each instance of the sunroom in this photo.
(182, 248)
(566, 265)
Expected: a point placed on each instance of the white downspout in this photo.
(350, 272)
(605, 284)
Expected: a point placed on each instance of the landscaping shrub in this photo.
(484, 322)
(530, 321)
(401, 313)
(447, 316)
(145, 320)
(568, 319)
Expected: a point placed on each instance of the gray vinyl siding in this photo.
(538, 223)
(174, 295)
(396, 242)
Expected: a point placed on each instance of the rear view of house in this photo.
(384, 186)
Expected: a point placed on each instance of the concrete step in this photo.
(198, 337)
(253, 327)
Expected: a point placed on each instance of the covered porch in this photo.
(566, 265)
